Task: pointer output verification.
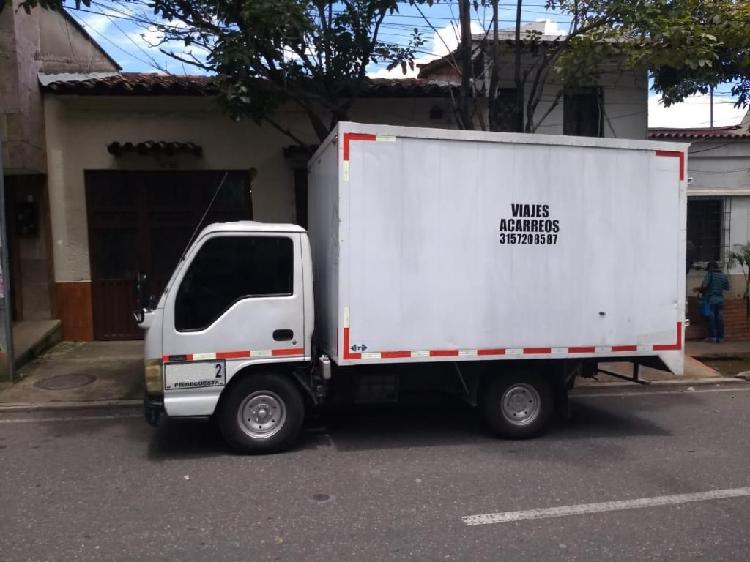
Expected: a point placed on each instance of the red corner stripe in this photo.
(348, 137)
(677, 154)
(672, 346)
(347, 353)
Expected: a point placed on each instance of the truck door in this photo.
(239, 299)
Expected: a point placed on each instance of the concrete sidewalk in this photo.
(725, 349)
(80, 372)
(112, 372)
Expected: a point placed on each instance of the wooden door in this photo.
(142, 222)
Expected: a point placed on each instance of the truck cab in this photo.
(240, 298)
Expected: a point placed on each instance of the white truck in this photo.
(496, 265)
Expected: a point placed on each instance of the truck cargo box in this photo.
(445, 245)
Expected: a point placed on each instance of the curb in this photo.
(91, 404)
(671, 382)
(70, 405)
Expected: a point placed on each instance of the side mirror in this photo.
(141, 297)
(138, 316)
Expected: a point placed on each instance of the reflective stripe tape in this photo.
(348, 354)
(494, 351)
(443, 353)
(244, 354)
(582, 349)
(233, 355)
(289, 351)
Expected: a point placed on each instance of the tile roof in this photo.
(741, 131)
(150, 84)
(734, 132)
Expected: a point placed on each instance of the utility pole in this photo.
(8, 363)
(711, 98)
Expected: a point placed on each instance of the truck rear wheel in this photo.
(517, 406)
(262, 414)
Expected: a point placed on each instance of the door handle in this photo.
(282, 335)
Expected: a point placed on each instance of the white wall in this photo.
(78, 128)
(625, 97)
(721, 168)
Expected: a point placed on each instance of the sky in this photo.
(132, 44)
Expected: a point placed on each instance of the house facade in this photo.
(616, 106)
(718, 212)
(135, 159)
(131, 162)
(41, 41)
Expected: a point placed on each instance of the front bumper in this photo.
(153, 408)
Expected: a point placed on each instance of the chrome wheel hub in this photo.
(262, 414)
(520, 404)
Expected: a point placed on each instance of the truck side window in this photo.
(230, 268)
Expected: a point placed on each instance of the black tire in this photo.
(264, 396)
(520, 389)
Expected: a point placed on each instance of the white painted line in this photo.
(603, 507)
(71, 418)
(636, 392)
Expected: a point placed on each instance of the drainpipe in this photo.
(7, 370)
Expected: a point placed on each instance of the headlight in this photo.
(152, 374)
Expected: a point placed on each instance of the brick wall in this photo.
(736, 322)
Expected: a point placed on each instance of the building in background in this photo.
(718, 211)
(41, 41)
(615, 107)
(124, 165)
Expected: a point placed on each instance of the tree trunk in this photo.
(465, 95)
(494, 72)
(517, 76)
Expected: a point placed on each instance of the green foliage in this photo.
(267, 53)
(741, 257)
(687, 45)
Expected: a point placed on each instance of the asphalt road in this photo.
(387, 484)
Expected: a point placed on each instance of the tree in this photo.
(313, 54)
(705, 44)
(687, 45)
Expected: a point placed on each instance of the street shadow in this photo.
(403, 426)
(458, 424)
(174, 439)
(186, 439)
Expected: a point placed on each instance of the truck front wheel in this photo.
(517, 406)
(262, 414)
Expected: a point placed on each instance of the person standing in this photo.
(715, 282)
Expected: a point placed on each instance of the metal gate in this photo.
(141, 222)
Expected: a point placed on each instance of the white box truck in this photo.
(498, 265)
